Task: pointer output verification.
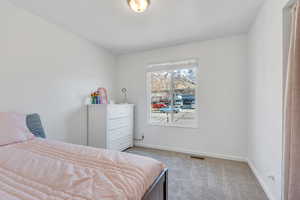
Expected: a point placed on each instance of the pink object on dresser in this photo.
(13, 128)
(42, 169)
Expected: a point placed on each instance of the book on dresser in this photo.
(110, 126)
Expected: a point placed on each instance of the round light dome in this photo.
(138, 6)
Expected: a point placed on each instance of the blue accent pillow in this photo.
(34, 124)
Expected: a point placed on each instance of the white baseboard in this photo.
(261, 181)
(205, 154)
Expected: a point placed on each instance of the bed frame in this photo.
(159, 189)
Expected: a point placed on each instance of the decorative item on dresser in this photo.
(110, 126)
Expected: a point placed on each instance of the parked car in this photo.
(188, 107)
(169, 110)
(188, 99)
(158, 105)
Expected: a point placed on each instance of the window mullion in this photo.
(172, 97)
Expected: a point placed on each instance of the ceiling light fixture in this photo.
(138, 6)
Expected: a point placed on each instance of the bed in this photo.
(41, 169)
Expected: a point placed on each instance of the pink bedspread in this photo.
(48, 170)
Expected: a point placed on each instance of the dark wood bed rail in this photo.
(159, 189)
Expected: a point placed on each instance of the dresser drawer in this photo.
(118, 123)
(118, 133)
(121, 144)
(118, 111)
(110, 126)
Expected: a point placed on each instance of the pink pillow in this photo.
(13, 128)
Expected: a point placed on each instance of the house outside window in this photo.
(172, 94)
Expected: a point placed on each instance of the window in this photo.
(172, 94)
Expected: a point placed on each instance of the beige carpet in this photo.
(209, 179)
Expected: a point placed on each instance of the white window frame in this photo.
(170, 67)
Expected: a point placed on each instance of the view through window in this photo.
(173, 96)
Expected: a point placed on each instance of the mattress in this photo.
(42, 169)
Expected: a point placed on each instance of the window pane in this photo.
(160, 96)
(184, 81)
(173, 97)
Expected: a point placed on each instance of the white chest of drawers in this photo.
(110, 126)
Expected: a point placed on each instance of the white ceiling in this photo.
(112, 25)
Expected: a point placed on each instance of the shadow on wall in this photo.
(76, 125)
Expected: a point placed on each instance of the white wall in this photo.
(47, 70)
(265, 116)
(222, 95)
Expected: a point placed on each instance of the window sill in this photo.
(173, 125)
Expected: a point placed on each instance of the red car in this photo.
(158, 105)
